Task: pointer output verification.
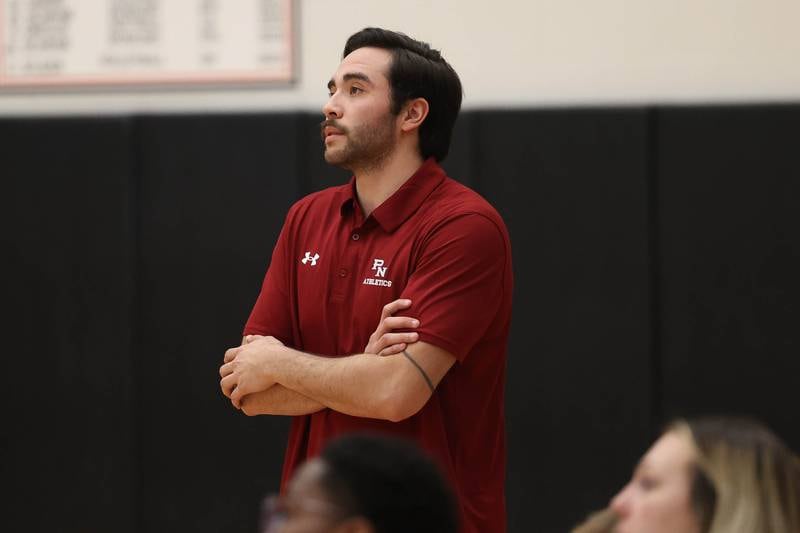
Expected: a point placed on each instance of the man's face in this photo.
(359, 130)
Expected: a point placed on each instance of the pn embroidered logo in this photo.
(380, 274)
(380, 270)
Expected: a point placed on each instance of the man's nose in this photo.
(331, 109)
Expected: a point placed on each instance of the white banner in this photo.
(69, 43)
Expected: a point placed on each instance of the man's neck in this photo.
(375, 185)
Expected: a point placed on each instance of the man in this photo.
(400, 239)
(364, 484)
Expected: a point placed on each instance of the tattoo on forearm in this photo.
(421, 371)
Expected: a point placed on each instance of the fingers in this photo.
(389, 339)
(382, 338)
(246, 404)
(225, 370)
(393, 349)
(237, 395)
(399, 322)
(395, 306)
(228, 385)
(250, 338)
(230, 354)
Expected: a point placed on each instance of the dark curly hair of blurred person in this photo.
(364, 483)
(390, 483)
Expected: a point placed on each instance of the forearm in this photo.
(364, 385)
(278, 400)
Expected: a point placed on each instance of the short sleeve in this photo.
(458, 284)
(271, 313)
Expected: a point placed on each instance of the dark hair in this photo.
(390, 483)
(418, 71)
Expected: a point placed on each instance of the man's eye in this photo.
(355, 90)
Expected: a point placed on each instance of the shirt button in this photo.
(342, 272)
(356, 236)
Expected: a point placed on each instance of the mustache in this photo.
(333, 124)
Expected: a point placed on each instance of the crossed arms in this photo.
(262, 376)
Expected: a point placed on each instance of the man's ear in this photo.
(355, 524)
(414, 114)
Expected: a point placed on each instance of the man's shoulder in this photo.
(454, 200)
(320, 202)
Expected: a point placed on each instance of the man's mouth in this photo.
(329, 129)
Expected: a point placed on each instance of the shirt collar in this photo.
(404, 202)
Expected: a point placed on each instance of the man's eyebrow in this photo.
(351, 76)
(356, 76)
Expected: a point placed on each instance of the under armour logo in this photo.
(308, 258)
(380, 270)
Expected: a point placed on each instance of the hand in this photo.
(250, 338)
(383, 341)
(246, 368)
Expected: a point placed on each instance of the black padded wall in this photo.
(655, 255)
(571, 186)
(68, 441)
(729, 234)
(214, 192)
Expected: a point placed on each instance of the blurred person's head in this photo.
(598, 522)
(389, 89)
(368, 484)
(712, 475)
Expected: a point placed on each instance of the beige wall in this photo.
(525, 53)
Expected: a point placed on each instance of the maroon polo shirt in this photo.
(446, 249)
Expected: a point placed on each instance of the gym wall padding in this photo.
(571, 186)
(729, 245)
(213, 196)
(68, 431)
(655, 255)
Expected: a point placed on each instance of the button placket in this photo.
(342, 276)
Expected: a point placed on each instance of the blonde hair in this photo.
(746, 480)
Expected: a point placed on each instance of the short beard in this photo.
(367, 146)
